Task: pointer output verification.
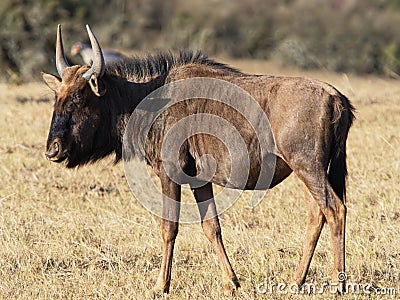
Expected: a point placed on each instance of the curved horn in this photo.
(61, 61)
(98, 65)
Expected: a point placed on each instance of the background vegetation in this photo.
(358, 36)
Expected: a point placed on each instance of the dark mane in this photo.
(154, 65)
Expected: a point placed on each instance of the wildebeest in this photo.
(309, 119)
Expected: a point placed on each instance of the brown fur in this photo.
(309, 119)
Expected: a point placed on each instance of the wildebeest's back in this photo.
(298, 110)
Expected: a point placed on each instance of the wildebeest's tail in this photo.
(342, 119)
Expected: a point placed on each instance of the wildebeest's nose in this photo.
(53, 150)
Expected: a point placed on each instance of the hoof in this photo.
(297, 281)
(340, 282)
(159, 294)
(231, 286)
(161, 289)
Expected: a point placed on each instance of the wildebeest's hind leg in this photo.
(169, 226)
(212, 229)
(315, 223)
(334, 212)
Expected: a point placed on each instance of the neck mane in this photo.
(129, 81)
(144, 69)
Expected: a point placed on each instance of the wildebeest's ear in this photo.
(97, 85)
(52, 81)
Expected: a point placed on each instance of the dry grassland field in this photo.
(80, 234)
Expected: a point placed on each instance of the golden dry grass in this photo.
(80, 234)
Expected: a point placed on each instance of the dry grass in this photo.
(79, 234)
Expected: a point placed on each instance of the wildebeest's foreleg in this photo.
(169, 226)
(315, 222)
(212, 229)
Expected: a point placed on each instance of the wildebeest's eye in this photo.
(73, 102)
(70, 106)
(77, 99)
